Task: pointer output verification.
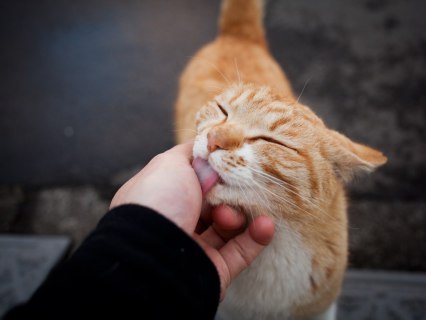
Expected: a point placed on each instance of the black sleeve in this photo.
(135, 265)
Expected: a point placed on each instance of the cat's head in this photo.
(273, 153)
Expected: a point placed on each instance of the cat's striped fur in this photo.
(276, 157)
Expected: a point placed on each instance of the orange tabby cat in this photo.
(274, 156)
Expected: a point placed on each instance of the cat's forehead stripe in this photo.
(231, 101)
(242, 98)
(279, 123)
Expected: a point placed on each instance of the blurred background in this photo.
(88, 87)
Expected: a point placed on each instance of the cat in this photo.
(274, 156)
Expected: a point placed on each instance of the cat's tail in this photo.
(243, 19)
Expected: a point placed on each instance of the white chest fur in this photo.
(277, 280)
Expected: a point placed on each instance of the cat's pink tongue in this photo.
(205, 173)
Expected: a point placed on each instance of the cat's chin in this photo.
(223, 193)
(217, 195)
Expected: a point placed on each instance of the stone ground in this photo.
(366, 295)
(87, 89)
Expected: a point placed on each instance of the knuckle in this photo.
(242, 253)
(158, 159)
(226, 276)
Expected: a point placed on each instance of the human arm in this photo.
(136, 263)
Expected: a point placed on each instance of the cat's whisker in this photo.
(250, 209)
(266, 202)
(214, 91)
(312, 204)
(263, 200)
(303, 89)
(282, 184)
(247, 199)
(289, 202)
(216, 68)
(211, 88)
(277, 196)
(187, 129)
(277, 216)
(215, 87)
(238, 72)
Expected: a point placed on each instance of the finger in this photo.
(205, 220)
(206, 213)
(241, 251)
(227, 224)
(262, 230)
(212, 238)
(227, 219)
(200, 227)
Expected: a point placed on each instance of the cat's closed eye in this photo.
(272, 140)
(222, 109)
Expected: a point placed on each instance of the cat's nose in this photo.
(224, 137)
(213, 143)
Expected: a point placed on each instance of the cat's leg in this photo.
(329, 314)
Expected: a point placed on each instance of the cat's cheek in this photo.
(247, 154)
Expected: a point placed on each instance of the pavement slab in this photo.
(25, 263)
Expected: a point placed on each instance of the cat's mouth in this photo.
(207, 176)
(220, 181)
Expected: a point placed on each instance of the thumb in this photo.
(238, 253)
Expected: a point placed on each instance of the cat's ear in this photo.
(349, 158)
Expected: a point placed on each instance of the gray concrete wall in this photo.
(87, 89)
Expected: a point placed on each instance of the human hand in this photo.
(168, 184)
(230, 245)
